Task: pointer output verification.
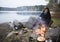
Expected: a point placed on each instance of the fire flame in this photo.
(41, 31)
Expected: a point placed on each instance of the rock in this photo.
(53, 34)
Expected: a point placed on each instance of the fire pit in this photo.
(40, 32)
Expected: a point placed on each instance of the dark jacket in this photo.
(46, 17)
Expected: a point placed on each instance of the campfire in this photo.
(41, 32)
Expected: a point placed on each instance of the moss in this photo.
(56, 21)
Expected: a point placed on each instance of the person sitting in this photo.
(46, 16)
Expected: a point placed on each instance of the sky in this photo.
(17, 3)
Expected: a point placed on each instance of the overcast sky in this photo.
(17, 3)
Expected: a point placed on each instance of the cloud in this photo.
(16, 3)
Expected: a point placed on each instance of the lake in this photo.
(22, 16)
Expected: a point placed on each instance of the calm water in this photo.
(7, 16)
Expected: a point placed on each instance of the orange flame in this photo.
(41, 31)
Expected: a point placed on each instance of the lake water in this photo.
(22, 16)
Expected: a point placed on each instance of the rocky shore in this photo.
(5, 29)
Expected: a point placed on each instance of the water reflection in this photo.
(7, 16)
